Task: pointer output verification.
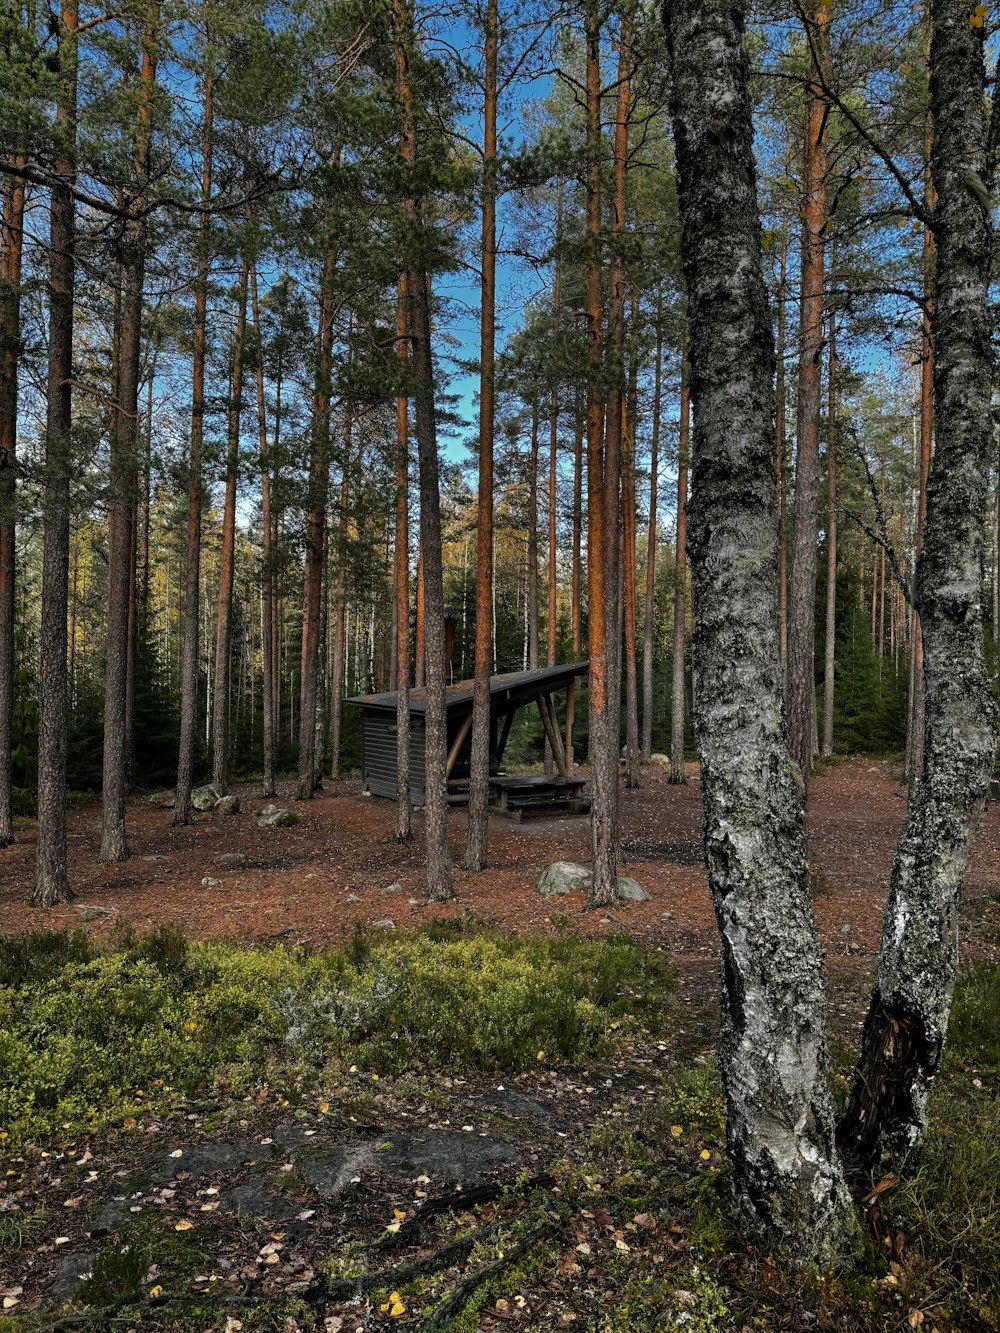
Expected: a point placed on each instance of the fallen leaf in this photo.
(184, 1225)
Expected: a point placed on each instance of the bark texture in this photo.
(785, 1173)
(402, 571)
(51, 880)
(829, 646)
(650, 591)
(802, 598)
(885, 1114)
(268, 674)
(477, 832)
(680, 581)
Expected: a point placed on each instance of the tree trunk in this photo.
(267, 552)
(784, 1170)
(531, 576)
(340, 600)
(915, 727)
(224, 606)
(10, 351)
(829, 647)
(650, 603)
(310, 770)
(51, 879)
(779, 436)
(576, 579)
(192, 568)
(630, 423)
(885, 1114)
(801, 683)
(602, 545)
(402, 569)
(124, 479)
(677, 774)
(477, 832)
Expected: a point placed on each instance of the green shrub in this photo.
(87, 1038)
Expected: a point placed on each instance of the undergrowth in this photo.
(90, 1035)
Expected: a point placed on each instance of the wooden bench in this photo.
(515, 797)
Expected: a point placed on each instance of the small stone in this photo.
(353, 898)
(162, 800)
(393, 888)
(630, 891)
(384, 924)
(563, 877)
(205, 798)
(209, 883)
(845, 930)
(227, 805)
(231, 858)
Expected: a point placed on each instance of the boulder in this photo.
(227, 805)
(662, 760)
(231, 858)
(393, 888)
(274, 816)
(205, 798)
(630, 891)
(563, 877)
(162, 800)
(384, 924)
(209, 883)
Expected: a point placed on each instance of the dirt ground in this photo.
(310, 883)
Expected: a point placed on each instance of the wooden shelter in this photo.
(508, 693)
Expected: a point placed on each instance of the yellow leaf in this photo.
(154, 1292)
(184, 1225)
(393, 1227)
(705, 1154)
(397, 1212)
(676, 1131)
(397, 1308)
(540, 1055)
(324, 1107)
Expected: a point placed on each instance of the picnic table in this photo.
(514, 797)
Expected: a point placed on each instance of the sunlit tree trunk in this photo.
(630, 422)
(783, 1164)
(648, 622)
(801, 673)
(340, 596)
(531, 579)
(267, 553)
(885, 1115)
(576, 580)
(677, 705)
(477, 834)
(829, 648)
(402, 569)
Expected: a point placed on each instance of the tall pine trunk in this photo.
(267, 553)
(531, 576)
(192, 563)
(801, 682)
(829, 647)
(402, 567)
(51, 878)
(310, 770)
(340, 596)
(10, 349)
(224, 604)
(785, 1174)
(677, 707)
(630, 423)
(648, 622)
(477, 833)
(886, 1111)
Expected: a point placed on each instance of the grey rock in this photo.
(274, 816)
(208, 1157)
(231, 858)
(353, 898)
(112, 1214)
(227, 805)
(563, 877)
(845, 929)
(205, 798)
(385, 924)
(162, 800)
(291, 1137)
(253, 1200)
(630, 891)
(454, 1157)
(393, 888)
(508, 1102)
(661, 760)
(209, 883)
(73, 1272)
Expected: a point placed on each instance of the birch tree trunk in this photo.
(780, 1133)
(886, 1111)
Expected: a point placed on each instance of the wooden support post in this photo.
(559, 754)
(502, 745)
(553, 736)
(456, 748)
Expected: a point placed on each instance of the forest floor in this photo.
(574, 1193)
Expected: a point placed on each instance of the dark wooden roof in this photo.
(512, 688)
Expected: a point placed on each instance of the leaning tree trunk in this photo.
(784, 1168)
(885, 1115)
(51, 879)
